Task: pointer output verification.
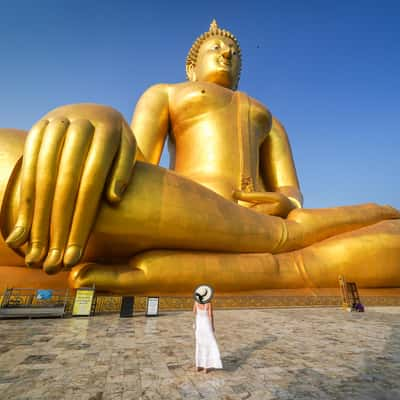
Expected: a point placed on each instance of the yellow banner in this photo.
(83, 302)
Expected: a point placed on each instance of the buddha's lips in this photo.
(224, 62)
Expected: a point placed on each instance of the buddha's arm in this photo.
(277, 165)
(279, 175)
(150, 122)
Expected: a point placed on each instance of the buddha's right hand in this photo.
(270, 203)
(68, 157)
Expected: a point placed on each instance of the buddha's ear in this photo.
(190, 72)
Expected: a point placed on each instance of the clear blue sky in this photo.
(329, 70)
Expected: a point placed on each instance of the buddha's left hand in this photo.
(270, 203)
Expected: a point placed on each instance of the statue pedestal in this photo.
(20, 277)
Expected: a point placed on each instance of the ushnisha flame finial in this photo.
(213, 26)
(214, 30)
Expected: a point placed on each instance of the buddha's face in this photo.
(217, 62)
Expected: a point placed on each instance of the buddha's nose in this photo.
(227, 53)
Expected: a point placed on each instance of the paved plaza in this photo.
(304, 353)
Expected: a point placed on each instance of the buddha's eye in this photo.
(215, 47)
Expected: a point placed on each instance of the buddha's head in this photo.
(215, 57)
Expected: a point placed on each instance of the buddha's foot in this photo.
(310, 226)
(393, 212)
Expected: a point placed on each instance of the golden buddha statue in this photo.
(88, 195)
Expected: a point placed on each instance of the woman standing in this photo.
(207, 352)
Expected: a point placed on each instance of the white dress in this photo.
(207, 352)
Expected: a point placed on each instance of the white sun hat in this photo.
(203, 294)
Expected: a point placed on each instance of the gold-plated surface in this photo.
(89, 195)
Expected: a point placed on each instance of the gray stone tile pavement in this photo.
(303, 353)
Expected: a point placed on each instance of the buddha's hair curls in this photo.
(214, 30)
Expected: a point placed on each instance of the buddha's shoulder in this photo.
(172, 86)
(259, 111)
(277, 125)
(257, 104)
(172, 90)
(157, 88)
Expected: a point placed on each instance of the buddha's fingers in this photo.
(267, 208)
(74, 154)
(123, 165)
(20, 233)
(257, 197)
(268, 203)
(101, 154)
(46, 176)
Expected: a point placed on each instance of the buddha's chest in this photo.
(216, 110)
(193, 101)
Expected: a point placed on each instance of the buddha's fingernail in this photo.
(72, 256)
(34, 255)
(120, 188)
(17, 237)
(114, 195)
(53, 262)
(78, 276)
(75, 272)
